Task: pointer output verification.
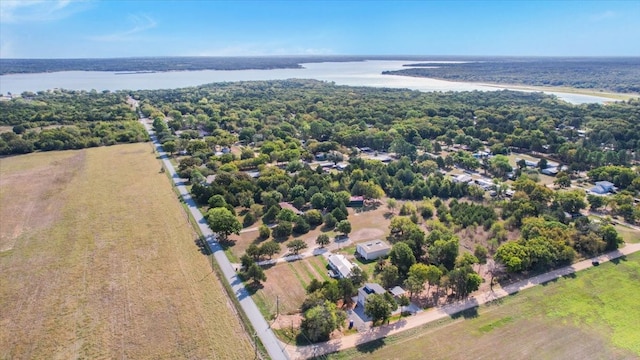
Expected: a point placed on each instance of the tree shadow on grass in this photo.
(201, 243)
(570, 276)
(253, 287)
(371, 346)
(466, 314)
(617, 261)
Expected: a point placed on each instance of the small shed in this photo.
(373, 249)
(397, 292)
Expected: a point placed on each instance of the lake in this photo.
(364, 73)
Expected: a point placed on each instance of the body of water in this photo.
(365, 73)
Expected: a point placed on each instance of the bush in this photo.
(264, 232)
(330, 221)
(282, 230)
(301, 226)
(248, 220)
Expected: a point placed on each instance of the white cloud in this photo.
(603, 16)
(140, 23)
(20, 11)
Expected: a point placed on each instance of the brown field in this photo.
(98, 261)
(287, 282)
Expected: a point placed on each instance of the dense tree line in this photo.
(612, 74)
(62, 120)
(185, 63)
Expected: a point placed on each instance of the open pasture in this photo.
(98, 261)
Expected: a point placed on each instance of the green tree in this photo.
(416, 278)
(611, 237)
(282, 230)
(571, 201)
(253, 251)
(318, 201)
(434, 274)
(223, 222)
(403, 301)
(270, 248)
(169, 146)
(323, 240)
(330, 221)
(392, 204)
(402, 257)
(321, 320)
(562, 180)
(264, 232)
(347, 290)
(595, 202)
(296, 245)
(378, 308)
(255, 273)
(481, 253)
(499, 166)
(389, 276)
(344, 227)
(314, 217)
(358, 277)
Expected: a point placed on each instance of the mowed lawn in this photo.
(595, 315)
(98, 261)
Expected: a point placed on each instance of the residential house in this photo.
(373, 249)
(367, 290)
(340, 265)
(606, 185)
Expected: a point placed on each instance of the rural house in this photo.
(367, 290)
(340, 265)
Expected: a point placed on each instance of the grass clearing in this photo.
(628, 234)
(594, 315)
(114, 272)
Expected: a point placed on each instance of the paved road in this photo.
(304, 352)
(274, 347)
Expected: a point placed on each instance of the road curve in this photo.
(273, 346)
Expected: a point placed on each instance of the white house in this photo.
(367, 290)
(606, 185)
(373, 249)
(340, 265)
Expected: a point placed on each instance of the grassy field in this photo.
(594, 315)
(98, 261)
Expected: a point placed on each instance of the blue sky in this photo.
(122, 28)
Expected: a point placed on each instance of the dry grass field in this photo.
(98, 261)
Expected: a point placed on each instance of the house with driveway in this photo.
(367, 290)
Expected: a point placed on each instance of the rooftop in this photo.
(374, 245)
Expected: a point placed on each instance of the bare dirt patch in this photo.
(116, 272)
